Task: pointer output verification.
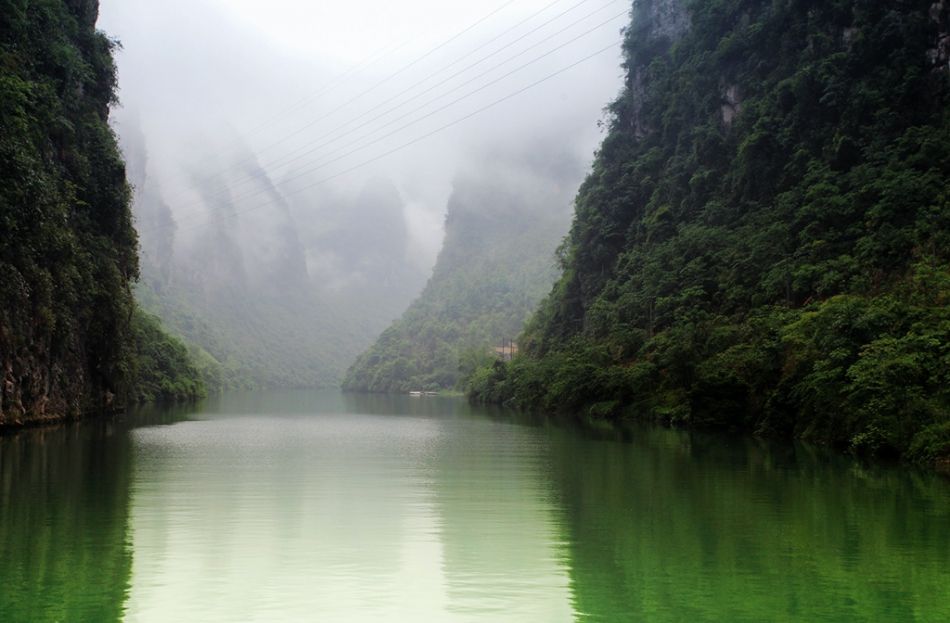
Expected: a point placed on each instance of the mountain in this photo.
(71, 340)
(763, 241)
(504, 220)
(266, 291)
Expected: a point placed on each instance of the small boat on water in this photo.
(416, 394)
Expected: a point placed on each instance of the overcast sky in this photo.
(328, 94)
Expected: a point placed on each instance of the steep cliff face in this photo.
(503, 223)
(283, 297)
(661, 21)
(939, 54)
(762, 242)
(657, 24)
(67, 246)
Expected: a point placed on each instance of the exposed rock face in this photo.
(37, 386)
(731, 104)
(939, 55)
(67, 246)
(848, 35)
(86, 10)
(661, 19)
(660, 23)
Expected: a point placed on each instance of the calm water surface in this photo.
(310, 506)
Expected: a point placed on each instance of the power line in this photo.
(307, 148)
(318, 165)
(413, 141)
(327, 87)
(406, 67)
(314, 148)
(295, 155)
(282, 159)
(439, 129)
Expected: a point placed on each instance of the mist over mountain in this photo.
(273, 298)
(374, 310)
(505, 217)
(278, 236)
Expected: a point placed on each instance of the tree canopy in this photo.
(763, 240)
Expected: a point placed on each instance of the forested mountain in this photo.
(283, 297)
(503, 223)
(763, 242)
(68, 255)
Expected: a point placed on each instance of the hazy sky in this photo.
(327, 95)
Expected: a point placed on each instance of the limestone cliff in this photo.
(67, 245)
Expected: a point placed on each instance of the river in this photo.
(315, 506)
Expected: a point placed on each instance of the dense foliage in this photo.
(764, 240)
(67, 246)
(163, 366)
(495, 266)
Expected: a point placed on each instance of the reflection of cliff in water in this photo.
(273, 506)
(497, 521)
(64, 502)
(673, 526)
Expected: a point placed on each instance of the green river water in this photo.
(314, 506)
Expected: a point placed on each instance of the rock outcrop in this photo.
(67, 246)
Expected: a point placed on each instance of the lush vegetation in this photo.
(495, 266)
(163, 366)
(65, 539)
(242, 338)
(764, 240)
(68, 251)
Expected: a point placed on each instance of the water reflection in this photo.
(240, 522)
(306, 505)
(498, 523)
(280, 506)
(64, 501)
(675, 526)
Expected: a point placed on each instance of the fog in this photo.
(294, 144)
